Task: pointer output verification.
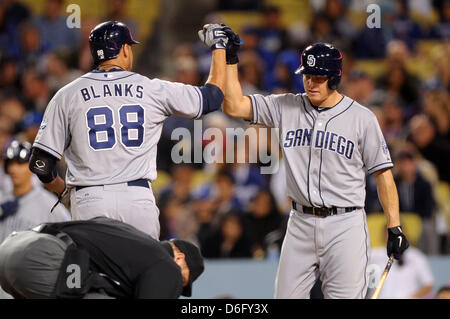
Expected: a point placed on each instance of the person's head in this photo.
(360, 86)
(397, 53)
(13, 109)
(9, 71)
(272, 17)
(443, 293)
(53, 8)
(30, 38)
(110, 43)
(225, 184)
(16, 163)
(321, 68)
(34, 84)
(232, 228)
(263, 204)
(406, 164)
(392, 111)
(422, 130)
(188, 257)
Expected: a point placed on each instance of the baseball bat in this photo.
(383, 278)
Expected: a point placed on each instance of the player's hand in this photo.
(213, 36)
(8, 208)
(397, 242)
(233, 45)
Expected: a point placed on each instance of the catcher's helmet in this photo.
(107, 39)
(322, 59)
(17, 151)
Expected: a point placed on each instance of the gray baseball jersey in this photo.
(326, 153)
(34, 209)
(108, 125)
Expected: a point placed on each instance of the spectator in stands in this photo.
(36, 91)
(393, 120)
(204, 209)
(250, 72)
(397, 81)
(443, 293)
(179, 221)
(29, 125)
(272, 36)
(117, 11)
(179, 192)
(59, 72)
(263, 218)
(9, 75)
(12, 110)
(409, 278)
(229, 241)
(85, 62)
(441, 30)
(415, 195)
(32, 49)
(370, 43)
(361, 87)
(53, 29)
(12, 14)
(404, 27)
(225, 198)
(321, 29)
(423, 134)
(440, 56)
(435, 105)
(341, 26)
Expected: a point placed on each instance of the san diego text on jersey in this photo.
(323, 140)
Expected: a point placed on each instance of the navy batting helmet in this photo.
(107, 39)
(322, 59)
(17, 151)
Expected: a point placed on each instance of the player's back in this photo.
(110, 125)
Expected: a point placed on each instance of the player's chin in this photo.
(315, 97)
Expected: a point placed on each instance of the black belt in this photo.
(139, 182)
(323, 211)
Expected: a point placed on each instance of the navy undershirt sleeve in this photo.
(212, 98)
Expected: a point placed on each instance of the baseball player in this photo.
(108, 123)
(42, 263)
(328, 142)
(27, 205)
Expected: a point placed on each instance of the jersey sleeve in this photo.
(375, 151)
(266, 110)
(53, 134)
(179, 99)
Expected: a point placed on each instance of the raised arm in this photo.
(235, 104)
(217, 70)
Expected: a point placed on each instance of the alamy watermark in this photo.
(74, 19)
(235, 145)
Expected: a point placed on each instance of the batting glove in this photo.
(213, 37)
(397, 242)
(8, 208)
(233, 45)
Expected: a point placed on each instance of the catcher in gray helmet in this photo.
(329, 143)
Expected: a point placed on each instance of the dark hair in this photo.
(224, 173)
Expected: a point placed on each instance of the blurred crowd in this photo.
(232, 210)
